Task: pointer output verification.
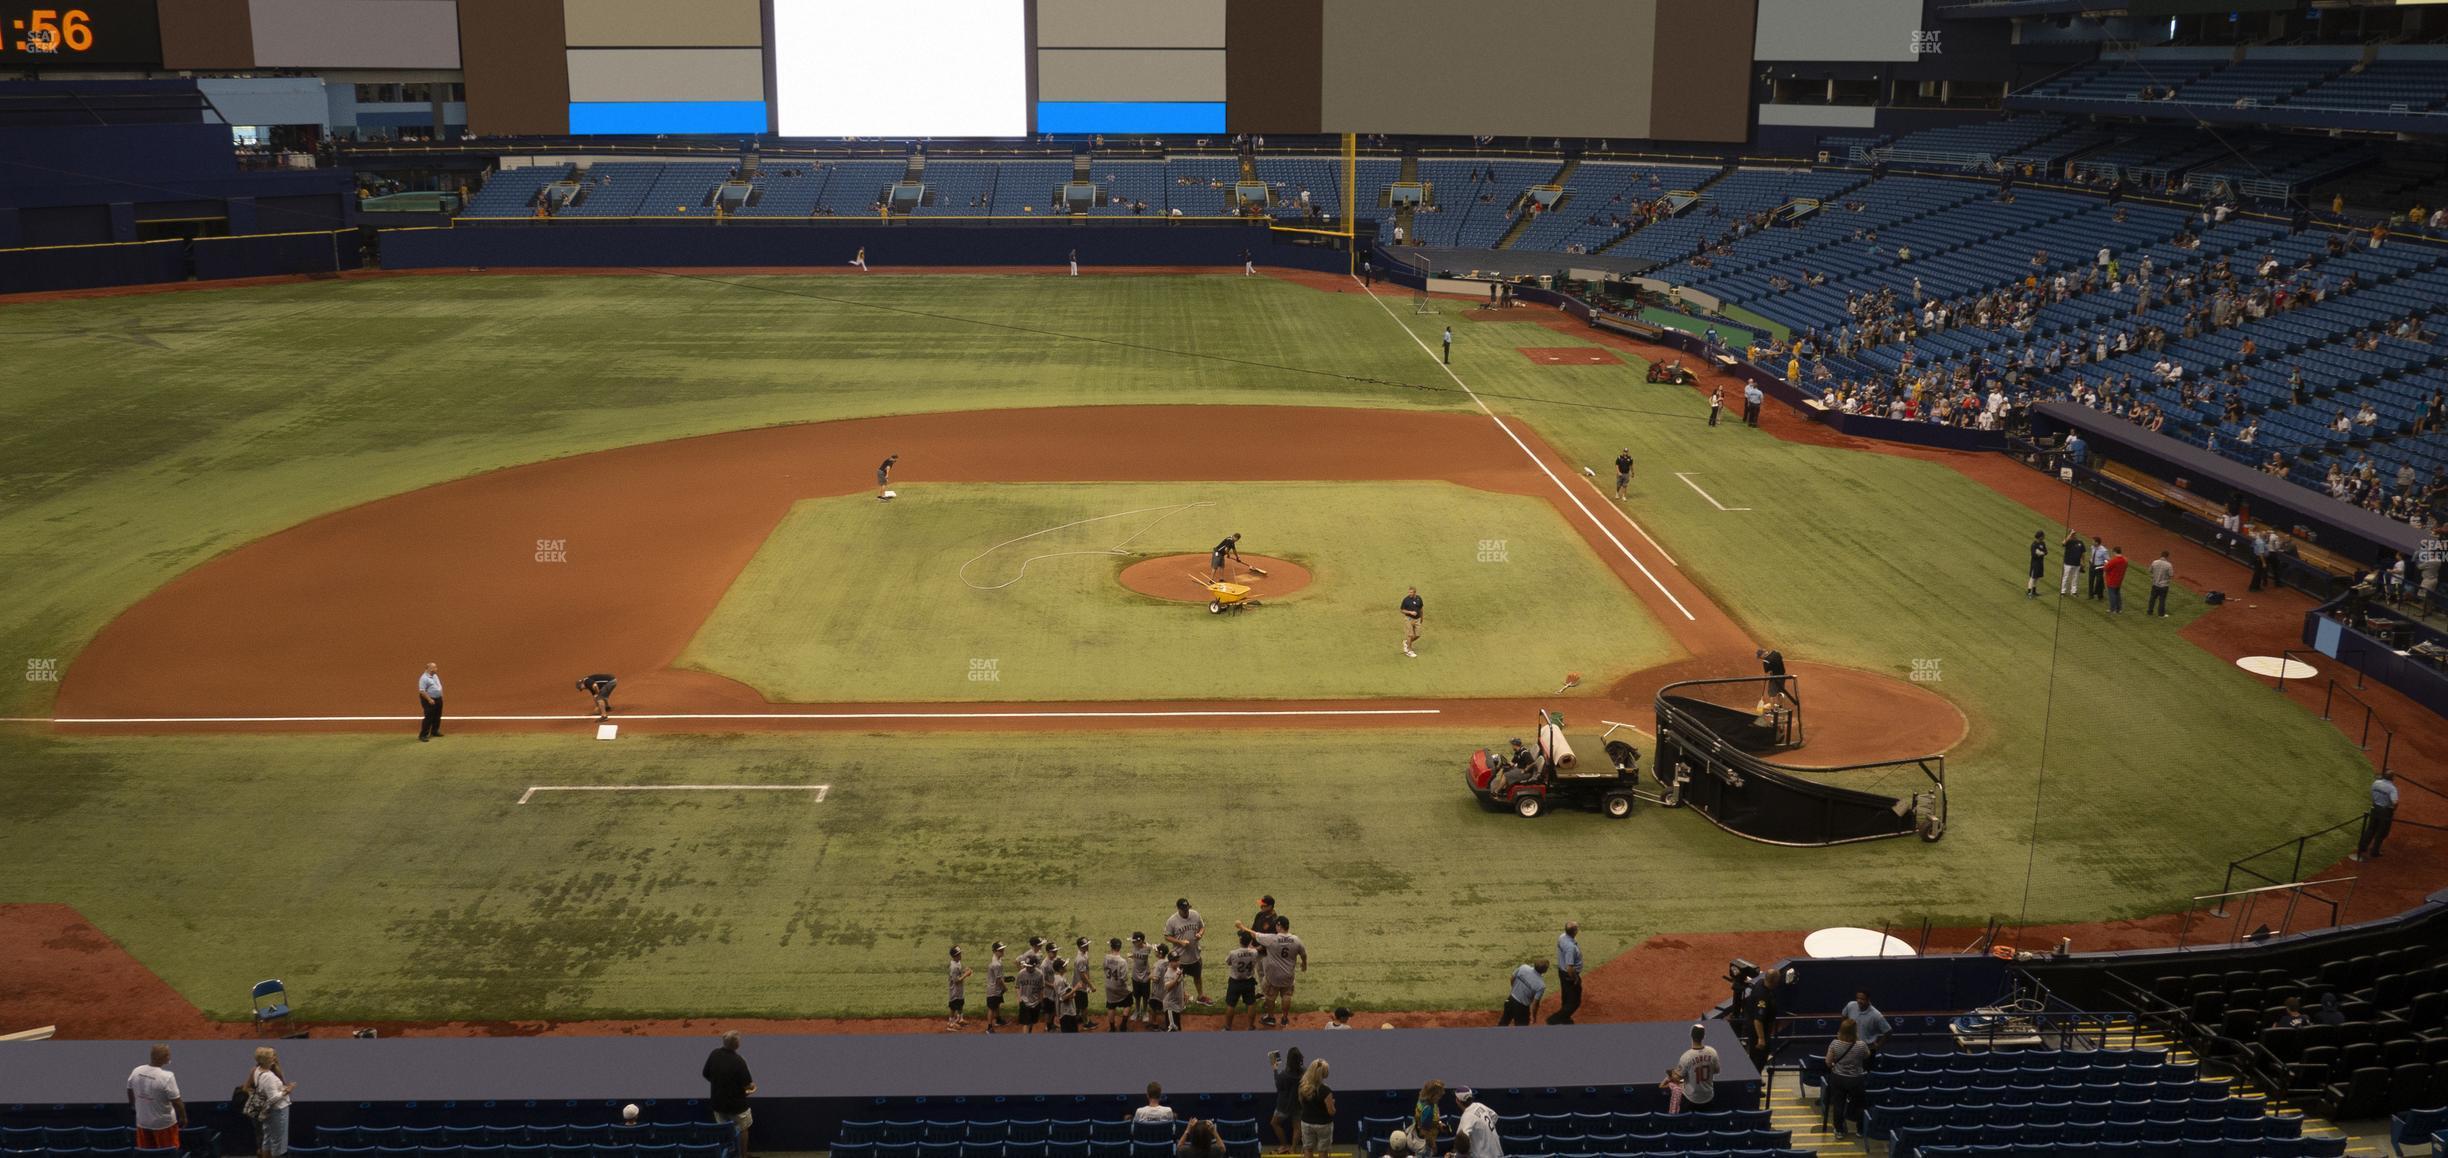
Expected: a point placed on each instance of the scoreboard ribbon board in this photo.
(79, 33)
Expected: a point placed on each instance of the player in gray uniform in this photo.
(1183, 931)
(994, 988)
(1169, 990)
(959, 976)
(1117, 986)
(1058, 1014)
(1278, 953)
(1081, 986)
(1241, 981)
(1031, 984)
(1139, 978)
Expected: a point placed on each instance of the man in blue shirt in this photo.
(1866, 1018)
(1529, 989)
(1751, 403)
(2075, 448)
(2383, 814)
(1568, 974)
(429, 698)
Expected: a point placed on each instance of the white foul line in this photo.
(1161, 714)
(818, 789)
(1704, 494)
(1551, 475)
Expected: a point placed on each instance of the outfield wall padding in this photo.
(73, 267)
(831, 245)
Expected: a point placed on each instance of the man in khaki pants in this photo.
(1411, 609)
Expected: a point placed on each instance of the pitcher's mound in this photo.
(1180, 577)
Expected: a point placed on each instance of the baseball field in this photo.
(235, 524)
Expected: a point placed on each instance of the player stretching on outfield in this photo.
(1230, 546)
(600, 686)
(859, 259)
(1139, 978)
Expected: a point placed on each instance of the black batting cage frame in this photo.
(1711, 754)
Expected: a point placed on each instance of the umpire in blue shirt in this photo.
(1568, 974)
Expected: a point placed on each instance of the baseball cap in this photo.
(1082, 942)
(956, 950)
(1113, 942)
(1268, 901)
(1464, 1095)
(998, 946)
(1183, 903)
(1139, 937)
(1036, 941)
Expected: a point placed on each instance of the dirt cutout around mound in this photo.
(1183, 578)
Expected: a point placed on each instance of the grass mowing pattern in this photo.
(852, 599)
(145, 434)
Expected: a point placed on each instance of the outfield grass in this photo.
(145, 434)
(852, 599)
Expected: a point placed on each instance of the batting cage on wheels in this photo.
(1714, 740)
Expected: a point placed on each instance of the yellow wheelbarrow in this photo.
(1223, 597)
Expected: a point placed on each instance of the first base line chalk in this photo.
(818, 789)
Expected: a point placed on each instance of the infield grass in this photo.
(853, 600)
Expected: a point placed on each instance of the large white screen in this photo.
(863, 68)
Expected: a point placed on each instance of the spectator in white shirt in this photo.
(272, 1131)
(1155, 1110)
(1475, 1132)
(154, 1093)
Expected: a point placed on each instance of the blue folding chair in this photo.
(271, 1001)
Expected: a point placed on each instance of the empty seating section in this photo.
(2386, 85)
(1986, 141)
(680, 190)
(2121, 79)
(1943, 1104)
(2327, 80)
(1373, 176)
(1127, 183)
(1743, 1133)
(511, 192)
(854, 187)
(1612, 193)
(1202, 186)
(1722, 205)
(789, 189)
(1285, 177)
(2389, 1055)
(1022, 185)
(1116, 1137)
(1813, 243)
(962, 189)
(613, 189)
(1470, 209)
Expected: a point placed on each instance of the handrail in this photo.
(2296, 892)
(2294, 874)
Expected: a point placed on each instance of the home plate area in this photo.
(1570, 356)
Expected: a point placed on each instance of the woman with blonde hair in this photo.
(1428, 1117)
(1317, 1111)
(267, 1085)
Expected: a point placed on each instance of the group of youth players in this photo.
(1147, 985)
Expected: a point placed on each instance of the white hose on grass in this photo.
(1121, 548)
